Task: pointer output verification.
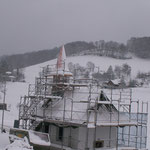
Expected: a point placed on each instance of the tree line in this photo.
(91, 71)
(112, 49)
(138, 46)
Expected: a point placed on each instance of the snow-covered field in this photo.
(136, 64)
(16, 89)
(16, 145)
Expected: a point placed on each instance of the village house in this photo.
(114, 84)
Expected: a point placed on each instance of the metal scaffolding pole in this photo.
(137, 124)
(88, 115)
(129, 117)
(141, 127)
(110, 118)
(95, 119)
(118, 122)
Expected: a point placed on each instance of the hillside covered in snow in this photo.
(137, 65)
(17, 89)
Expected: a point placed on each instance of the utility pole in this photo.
(3, 111)
(4, 98)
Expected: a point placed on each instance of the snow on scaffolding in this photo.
(38, 138)
(78, 112)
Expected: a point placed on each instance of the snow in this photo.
(61, 72)
(116, 81)
(13, 137)
(40, 139)
(137, 64)
(19, 145)
(4, 140)
(16, 89)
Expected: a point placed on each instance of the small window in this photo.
(99, 144)
(46, 128)
(60, 133)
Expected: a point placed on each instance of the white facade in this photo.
(76, 137)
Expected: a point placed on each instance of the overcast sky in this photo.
(30, 25)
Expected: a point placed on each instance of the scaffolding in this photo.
(59, 98)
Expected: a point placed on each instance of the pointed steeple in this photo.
(61, 58)
(61, 66)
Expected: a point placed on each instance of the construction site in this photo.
(78, 114)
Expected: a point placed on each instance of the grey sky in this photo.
(29, 25)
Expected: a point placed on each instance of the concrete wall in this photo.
(102, 133)
(76, 137)
(70, 136)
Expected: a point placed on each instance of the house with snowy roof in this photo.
(114, 84)
(80, 115)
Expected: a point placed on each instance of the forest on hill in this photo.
(140, 47)
(18, 61)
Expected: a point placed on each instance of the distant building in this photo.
(114, 84)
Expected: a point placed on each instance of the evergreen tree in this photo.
(126, 69)
(110, 73)
(90, 66)
(118, 71)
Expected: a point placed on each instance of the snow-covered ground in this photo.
(16, 89)
(4, 140)
(21, 144)
(136, 64)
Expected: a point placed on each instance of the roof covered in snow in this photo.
(39, 138)
(74, 109)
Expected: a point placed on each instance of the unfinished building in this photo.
(78, 114)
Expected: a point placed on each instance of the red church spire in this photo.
(61, 58)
